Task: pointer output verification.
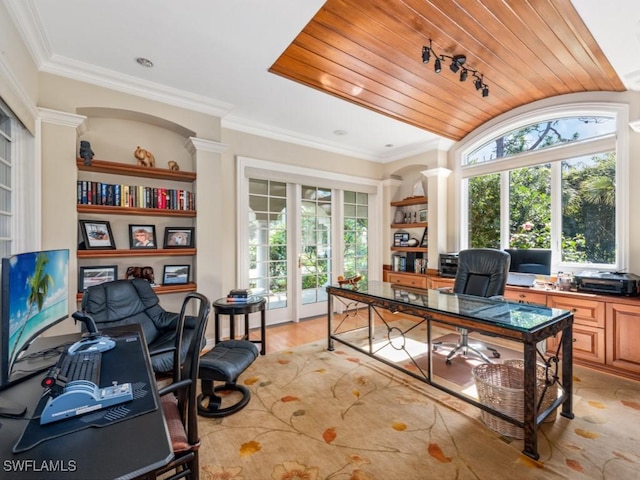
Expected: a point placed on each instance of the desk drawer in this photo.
(537, 298)
(585, 312)
(416, 281)
(587, 343)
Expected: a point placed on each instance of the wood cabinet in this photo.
(176, 180)
(524, 295)
(588, 325)
(623, 336)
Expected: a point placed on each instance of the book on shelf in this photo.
(139, 196)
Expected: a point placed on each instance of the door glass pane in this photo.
(268, 241)
(355, 226)
(315, 255)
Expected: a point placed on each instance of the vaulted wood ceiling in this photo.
(370, 52)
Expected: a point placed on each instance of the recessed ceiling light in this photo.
(340, 132)
(145, 62)
(389, 145)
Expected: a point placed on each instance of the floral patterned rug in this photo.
(341, 415)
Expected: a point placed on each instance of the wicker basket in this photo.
(550, 395)
(501, 387)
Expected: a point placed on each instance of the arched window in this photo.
(551, 179)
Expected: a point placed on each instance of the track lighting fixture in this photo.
(457, 64)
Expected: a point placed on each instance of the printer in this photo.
(608, 282)
(448, 265)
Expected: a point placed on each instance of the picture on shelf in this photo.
(96, 234)
(90, 276)
(142, 236)
(178, 237)
(400, 239)
(176, 274)
(422, 215)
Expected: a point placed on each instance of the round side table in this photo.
(252, 305)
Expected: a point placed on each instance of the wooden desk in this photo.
(526, 324)
(124, 449)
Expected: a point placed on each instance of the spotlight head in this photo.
(485, 91)
(463, 74)
(426, 54)
(477, 83)
(454, 67)
(456, 62)
(437, 66)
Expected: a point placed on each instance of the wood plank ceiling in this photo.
(370, 52)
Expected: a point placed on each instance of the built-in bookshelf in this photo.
(105, 199)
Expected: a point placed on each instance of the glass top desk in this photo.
(397, 325)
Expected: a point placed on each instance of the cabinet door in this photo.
(588, 343)
(623, 333)
(585, 311)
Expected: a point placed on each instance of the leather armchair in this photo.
(482, 272)
(124, 302)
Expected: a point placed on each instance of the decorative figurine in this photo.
(173, 165)
(145, 157)
(85, 152)
(141, 272)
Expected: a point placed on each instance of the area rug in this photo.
(316, 414)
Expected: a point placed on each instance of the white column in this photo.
(438, 215)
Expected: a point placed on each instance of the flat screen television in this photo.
(33, 298)
(530, 260)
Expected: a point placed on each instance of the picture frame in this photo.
(142, 236)
(96, 235)
(90, 276)
(176, 274)
(179, 237)
(422, 215)
(424, 242)
(401, 239)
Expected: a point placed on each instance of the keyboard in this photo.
(81, 366)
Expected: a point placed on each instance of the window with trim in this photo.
(6, 182)
(550, 183)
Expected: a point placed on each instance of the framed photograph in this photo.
(176, 274)
(397, 239)
(178, 237)
(142, 236)
(96, 234)
(90, 276)
(422, 215)
(425, 240)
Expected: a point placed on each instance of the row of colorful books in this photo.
(239, 295)
(139, 196)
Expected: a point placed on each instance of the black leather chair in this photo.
(482, 272)
(179, 397)
(124, 302)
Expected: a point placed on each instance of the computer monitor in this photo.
(530, 260)
(34, 297)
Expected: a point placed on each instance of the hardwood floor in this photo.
(287, 335)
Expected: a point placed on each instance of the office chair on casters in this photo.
(482, 272)
(179, 398)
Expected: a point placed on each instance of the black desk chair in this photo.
(179, 398)
(482, 272)
(123, 302)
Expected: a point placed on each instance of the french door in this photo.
(299, 229)
(290, 247)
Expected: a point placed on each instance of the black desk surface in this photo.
(125, 449)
